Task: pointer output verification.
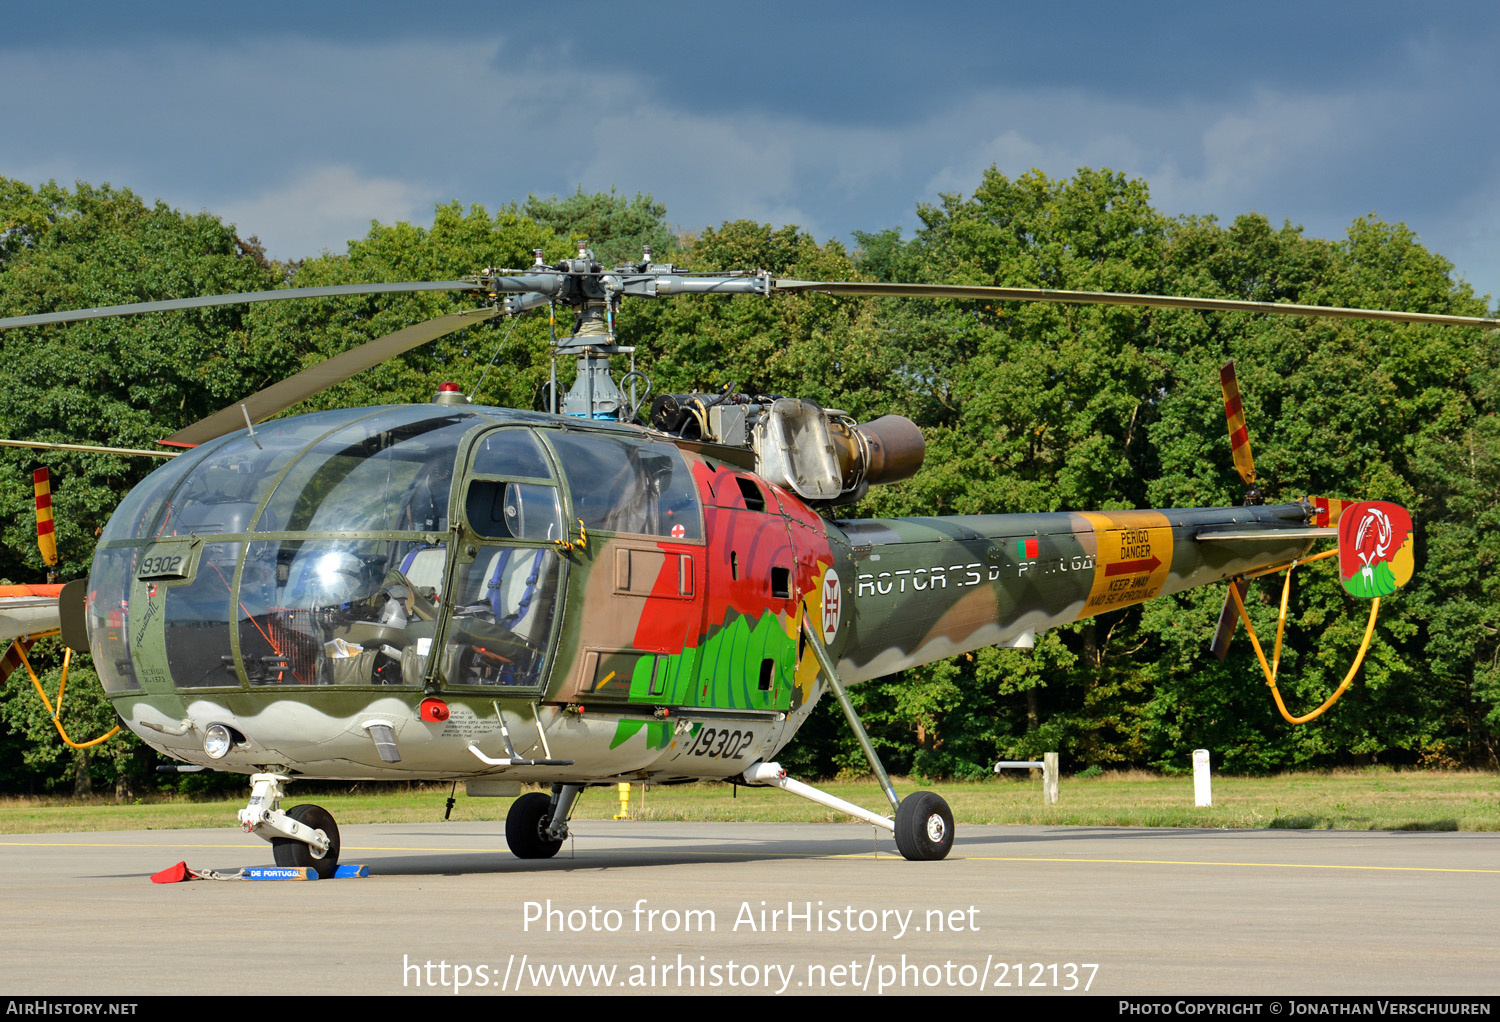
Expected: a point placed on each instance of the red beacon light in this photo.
(449, 394)
(432, 710)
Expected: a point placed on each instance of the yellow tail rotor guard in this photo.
(1270, 669)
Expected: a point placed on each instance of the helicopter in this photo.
(606, 590)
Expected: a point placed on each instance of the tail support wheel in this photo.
(924, 826)
(526, 827)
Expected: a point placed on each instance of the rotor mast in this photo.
(594, 293)
(594, 394)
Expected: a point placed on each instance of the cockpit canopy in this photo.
(335, 549)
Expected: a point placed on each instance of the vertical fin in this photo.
(1375, 548)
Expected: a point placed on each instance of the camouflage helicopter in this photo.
(602, 591)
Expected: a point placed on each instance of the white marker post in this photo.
(1202, 788)
(1047, 765)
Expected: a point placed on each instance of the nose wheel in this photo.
(302, 836)
(291, 852)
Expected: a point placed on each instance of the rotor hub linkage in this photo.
(584, 281)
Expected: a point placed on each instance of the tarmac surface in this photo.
(716, 908)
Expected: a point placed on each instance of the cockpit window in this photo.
(332, 612)
(140, 513)
(393, 471)
(620, 484)
(505, 599)
(513, 453)
(508, 510)
(523, 503)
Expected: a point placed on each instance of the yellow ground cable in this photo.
(55, 713)
(1270, 671)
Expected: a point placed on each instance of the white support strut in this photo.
(773, 774)
(263, 816)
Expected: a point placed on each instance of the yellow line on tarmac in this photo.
(450, 850)
(761, 853)
(1254, 865)
(102, 844)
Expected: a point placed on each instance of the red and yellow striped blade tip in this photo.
(41, 485)
(1239, 436)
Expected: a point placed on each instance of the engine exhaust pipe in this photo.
(887, 450)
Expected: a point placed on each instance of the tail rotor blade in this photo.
(1239, 436)
(1228, 618)
(46, 539)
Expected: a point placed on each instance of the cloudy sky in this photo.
(302, 122)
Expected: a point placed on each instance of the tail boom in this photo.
(929, 588)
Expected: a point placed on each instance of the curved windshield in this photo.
(320, 552)
(214, 487)
(332, 612)
(198, 615)
(391, 471)
(138, 514)
(226, 486)
(108, 601)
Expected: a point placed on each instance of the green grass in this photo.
(1373, 799)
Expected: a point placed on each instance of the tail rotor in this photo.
(1374, 551)
(1244, 463)
(1239, 435)
(46, 539)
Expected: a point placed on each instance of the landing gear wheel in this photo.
(526, 827)
(924, 826)
(291, 852)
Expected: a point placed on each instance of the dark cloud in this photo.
(837, 117)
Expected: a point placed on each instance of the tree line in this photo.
(1026, 407)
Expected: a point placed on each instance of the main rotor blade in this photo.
(1027, 294)
(207, 301)
(281, 396)
(44, 445)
